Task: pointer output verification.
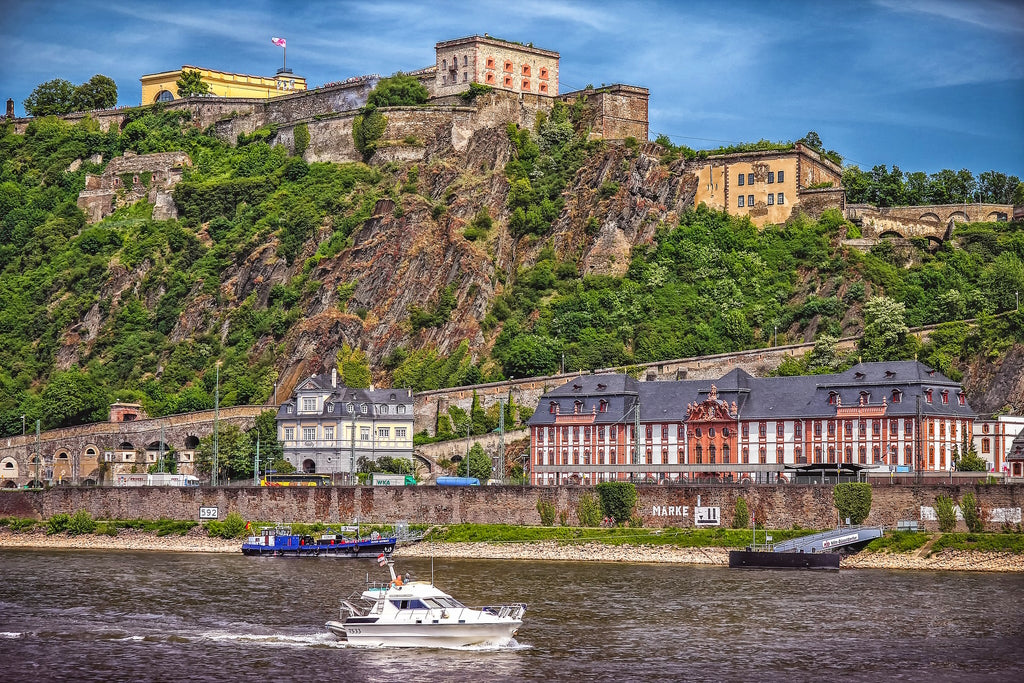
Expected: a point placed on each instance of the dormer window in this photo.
(309, 404)
(945, 397)
(897, 396)
(351, 407)
(365, 409)
(889, 374)
(603, 406)
(865, 398)
(602, 387)
(928, 395)
(289, 409)
(553, 407)
(961, 398)
(858, 375)
(832, 398)
(330, 407)
(576, 387)
(578, 406)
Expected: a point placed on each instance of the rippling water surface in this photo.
(82, 615)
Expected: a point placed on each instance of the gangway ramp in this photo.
(828, 541)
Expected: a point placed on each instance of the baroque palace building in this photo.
(898, 416)
(161, 87)
(326, 427)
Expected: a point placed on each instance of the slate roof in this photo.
(767, 398)
(340, 396)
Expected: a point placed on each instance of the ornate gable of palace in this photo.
(711, 409)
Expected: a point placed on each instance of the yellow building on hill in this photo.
(161, 87)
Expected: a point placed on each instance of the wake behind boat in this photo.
(279, 541)
(418, 614)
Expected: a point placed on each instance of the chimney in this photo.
(334, 378)
(10, 108)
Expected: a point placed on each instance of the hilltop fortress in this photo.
(767, 186)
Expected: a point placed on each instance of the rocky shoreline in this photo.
(196, 540)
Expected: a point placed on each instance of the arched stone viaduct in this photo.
(90, 454)
(933, 222)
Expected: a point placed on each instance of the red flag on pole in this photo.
(280, 42)
(381, 560)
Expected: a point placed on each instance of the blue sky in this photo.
(922, 84)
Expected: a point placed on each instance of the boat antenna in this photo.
(431, 569)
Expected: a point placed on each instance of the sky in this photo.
(920, 84)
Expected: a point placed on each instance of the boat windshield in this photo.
(408, 604)
(448, 602)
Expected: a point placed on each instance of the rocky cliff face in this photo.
(997, 385)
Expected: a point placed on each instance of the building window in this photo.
(309, 433)
(700, 454)
(746, 455)
(544, 72)
(543, 87)
(289, 433)
(831, 454)
(782, 175)
(762, 430)
(961, 399)
(329, 433)
(489, 78)
(308, 404)
(364, 409)
(908, 427)
(778, 454)
(897, 396)
(832, 398)
(664, 432)
(739, 200)
(750, 179)
(750, 201)
(725, 453)
(798, 430)
(741, 177)
(863, 455)
(782, 198)
(465, 60)
(508, 81)
(383, 432)
(552, 407)
(876, 427)
(490, 62)
(817, 430)
(526, 84)
(894, 427)
(908, 455)
(780, 430)
(876, 454)
(928, 395)
(848, 429)
(679, 433)
(650, 432)
(364, 433)
(986, 445)
(771, 177)
(400, 432)
(745, 430)
(711, 454)
(762, 455)
(697, 432)
(831, 428)
(798, 454)
(526, 69)
(444, 64)
(817, 455)
(612, 432)
(945, 397)
(848, 454)
(465, 76)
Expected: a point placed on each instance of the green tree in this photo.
(235, 453)
(945, 513)
(588, 509)
(264, 430)
(853, 501)
(367, 129)
(301, 139)
(74, 397)
(529, 355)
(885, 329)
(972, 516)
(192, 84)
(813, 141)
(51, 98)
(741, 515)
(476, 464)
(99, 92)
(966, 458)
(399, 90)
(353, 367)
(618, 500)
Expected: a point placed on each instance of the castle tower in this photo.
(497, 63)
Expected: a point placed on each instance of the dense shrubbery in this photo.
(618, 500)
(853, 501)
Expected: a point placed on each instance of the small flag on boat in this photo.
(381, 560)
(280, 42)
(247, 526)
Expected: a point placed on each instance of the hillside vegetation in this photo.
(460, 269)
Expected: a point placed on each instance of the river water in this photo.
(91, 615)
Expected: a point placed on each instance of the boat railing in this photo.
(513, 610)
(353, 610)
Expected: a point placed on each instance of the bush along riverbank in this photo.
(895, 550)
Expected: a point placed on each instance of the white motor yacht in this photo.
(418, 614)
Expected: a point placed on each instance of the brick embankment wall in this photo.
(776, 506)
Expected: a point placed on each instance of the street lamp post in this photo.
(216, 416)
(23, 425)
(256, 465)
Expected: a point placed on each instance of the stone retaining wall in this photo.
(659, 506)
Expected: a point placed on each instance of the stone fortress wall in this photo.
(781, 506)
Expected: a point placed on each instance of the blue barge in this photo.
(281, 542)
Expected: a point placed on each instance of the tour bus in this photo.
(296, 480)
(158, 479)
(458, 481)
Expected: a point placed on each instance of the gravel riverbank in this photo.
(196, 540)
